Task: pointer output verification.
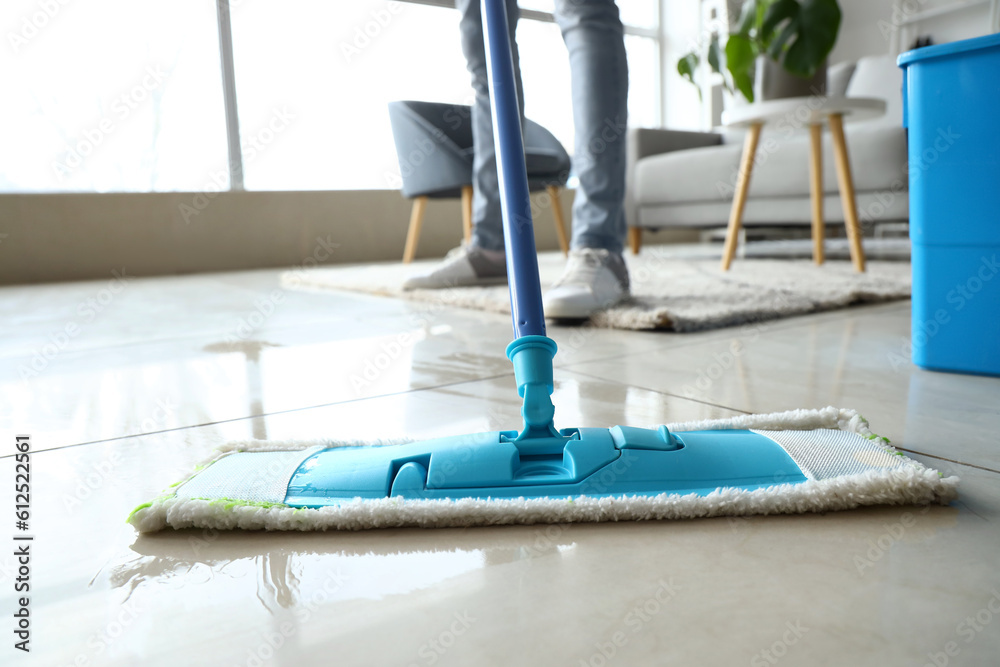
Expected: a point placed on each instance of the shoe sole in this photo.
(564, 313)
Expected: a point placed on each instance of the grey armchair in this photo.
(435, 149)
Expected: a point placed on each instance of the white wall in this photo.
(867, 29)
(868, 25)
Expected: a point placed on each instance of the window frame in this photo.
(229, 75)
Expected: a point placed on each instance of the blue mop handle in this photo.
(519, 235)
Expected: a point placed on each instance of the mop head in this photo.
(845, 465)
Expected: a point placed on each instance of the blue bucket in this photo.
(951, 99)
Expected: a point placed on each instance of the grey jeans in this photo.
(592, 31)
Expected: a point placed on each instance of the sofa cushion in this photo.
(690, 175)
(837, 78)
(877, 154)
(879, 76)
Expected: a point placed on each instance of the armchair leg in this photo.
(557, 215)
(635, 239)
(467, 213)
(413, 234)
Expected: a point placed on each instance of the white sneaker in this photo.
(463, 266)
(593, 279)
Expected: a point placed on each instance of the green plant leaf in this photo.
(778, 43)
(761, 37)
(687, 66)
(806, 32)
(820, 23)
(717, 61)
(740, 56)
(748, 18)
(778, 12)
(715, 54)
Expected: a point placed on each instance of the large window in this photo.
(127, 95)
(110, 95)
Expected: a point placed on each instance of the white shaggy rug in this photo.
(668, 292)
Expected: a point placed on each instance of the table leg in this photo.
(847, 198)
(740, 196)
(816, 190)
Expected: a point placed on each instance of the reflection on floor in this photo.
(171, 367)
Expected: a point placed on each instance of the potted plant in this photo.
(778, 49)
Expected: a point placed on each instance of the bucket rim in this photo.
(948, 49)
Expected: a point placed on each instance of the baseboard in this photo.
(56, 237)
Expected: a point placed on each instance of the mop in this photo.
(791, 462)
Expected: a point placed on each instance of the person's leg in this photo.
(481, 262)
(595, 39)
(487, 230)
(595, 276)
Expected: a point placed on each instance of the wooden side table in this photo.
(811, 112)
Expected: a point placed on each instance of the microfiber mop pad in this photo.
(780, 463)
(846, 466)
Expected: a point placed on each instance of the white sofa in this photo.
(685, 179)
